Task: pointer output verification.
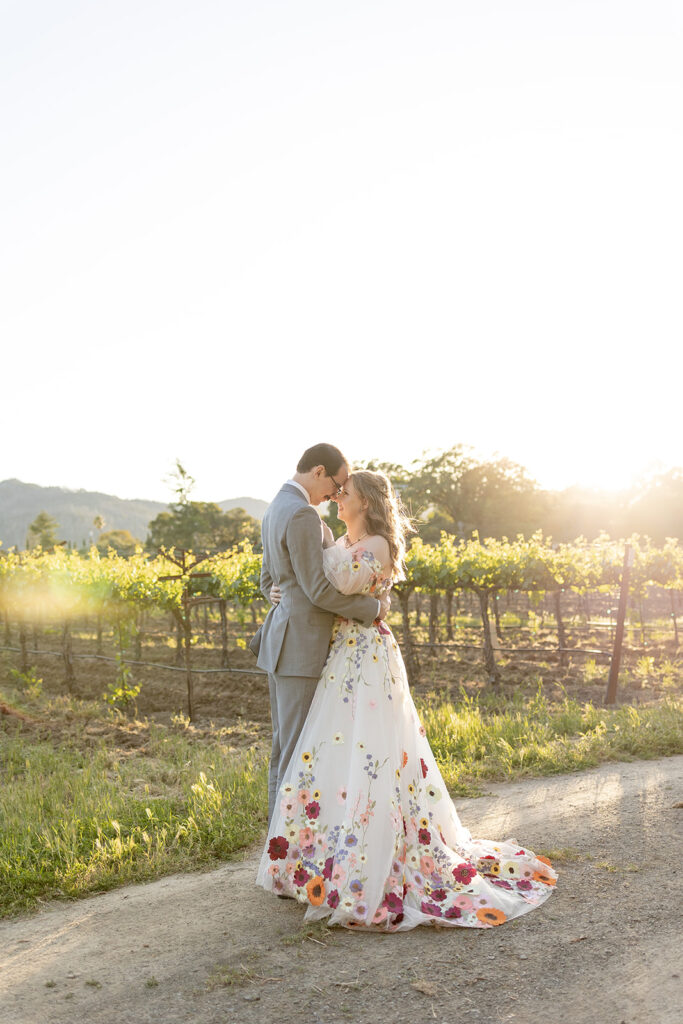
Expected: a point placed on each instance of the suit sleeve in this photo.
(306, 554)
(266, 581)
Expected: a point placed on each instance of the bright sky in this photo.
(234, 229)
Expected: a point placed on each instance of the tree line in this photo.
(450, 492)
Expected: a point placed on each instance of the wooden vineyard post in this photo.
(611, 695)
(222, 606)
(67, 653)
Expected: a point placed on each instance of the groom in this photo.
(293, 642)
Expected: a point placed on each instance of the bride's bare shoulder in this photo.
(379, 546)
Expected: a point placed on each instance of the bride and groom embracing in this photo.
(361, 828)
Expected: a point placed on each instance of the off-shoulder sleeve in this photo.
(350, 576)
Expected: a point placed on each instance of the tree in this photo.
(455, 492)
(122, 541)
(181, 483)
(43, 531)
(202, 526)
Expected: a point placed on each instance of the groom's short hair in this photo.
(321, 455)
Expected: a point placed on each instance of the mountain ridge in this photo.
(75, 510)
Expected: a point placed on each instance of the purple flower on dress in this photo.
(351, 840)
(356, 885)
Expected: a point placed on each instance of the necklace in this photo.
(351, 543)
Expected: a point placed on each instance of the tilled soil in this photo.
(212, 948)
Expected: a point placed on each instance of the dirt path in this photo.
(211, 948)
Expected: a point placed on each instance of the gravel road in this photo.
(211, 948)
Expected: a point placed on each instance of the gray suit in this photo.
(293, 643)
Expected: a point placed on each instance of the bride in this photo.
(364, 832)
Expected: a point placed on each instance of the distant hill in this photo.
(20, 503)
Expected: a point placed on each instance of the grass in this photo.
(75, 821)
(504, 738)
(90, 800)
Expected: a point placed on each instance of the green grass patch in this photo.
(496, 738)
(76, 821)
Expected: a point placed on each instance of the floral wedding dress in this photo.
(364, 832)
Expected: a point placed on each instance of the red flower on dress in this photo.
(425, 836)
(453, 912)
(327, 870)
(424, 768)
(431, 909)
(393, 903)
(313, 809)
(438, 895)
(301, 876)
(464, 873)
(277, 848)
(333, 899)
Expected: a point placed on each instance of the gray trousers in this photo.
(290, 699)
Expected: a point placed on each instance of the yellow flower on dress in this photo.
(351, 642)
(355, 566)
(306, 756)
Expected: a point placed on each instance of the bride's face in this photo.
(349, 503)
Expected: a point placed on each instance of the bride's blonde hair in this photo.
(385, 515)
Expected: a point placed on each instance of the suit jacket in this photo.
(294, 639)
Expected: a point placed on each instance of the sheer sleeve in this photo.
(349, 576)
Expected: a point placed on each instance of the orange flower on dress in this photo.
(544, 860)
(405, 760)
(541, 876)
(489, 915)
(315, 890)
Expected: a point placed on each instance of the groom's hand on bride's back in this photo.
(275, 594)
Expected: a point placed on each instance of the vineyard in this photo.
(493, 603)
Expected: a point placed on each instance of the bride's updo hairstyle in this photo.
(385, 515)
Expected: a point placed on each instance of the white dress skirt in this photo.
(364, 832)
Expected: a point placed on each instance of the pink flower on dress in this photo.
(304, 796)
(380, 915)
(341, 795)
(288, 806)
(338, 875)
(463, 902)
(427, 864)
(364, 819)
(306, 837)
(273, 870)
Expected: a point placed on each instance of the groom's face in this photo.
(326, 487)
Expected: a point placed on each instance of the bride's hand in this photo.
(328, 536)
(275, 594)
